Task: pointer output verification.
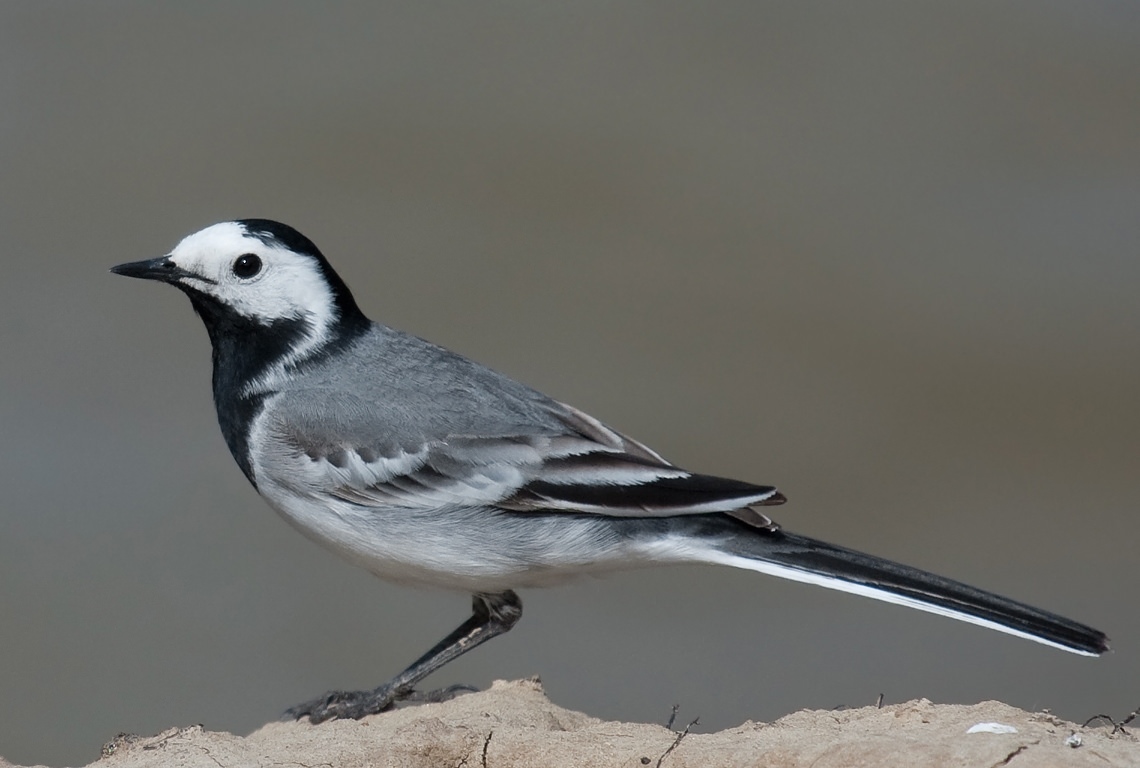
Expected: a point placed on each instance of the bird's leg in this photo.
(492, 615)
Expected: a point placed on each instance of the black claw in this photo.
(343, 705)
(353, 705)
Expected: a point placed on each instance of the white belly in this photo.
(461, 548)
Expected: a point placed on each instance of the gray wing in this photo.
(328, 442)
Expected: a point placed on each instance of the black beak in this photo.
(161, 269)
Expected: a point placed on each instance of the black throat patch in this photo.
(244, 350)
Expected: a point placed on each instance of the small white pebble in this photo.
(1074, 740)
(991, 728)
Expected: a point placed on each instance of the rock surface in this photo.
(514, 724)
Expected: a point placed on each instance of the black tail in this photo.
(816, 562)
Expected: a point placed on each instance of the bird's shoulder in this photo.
(393, 387)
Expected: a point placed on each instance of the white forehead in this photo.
(217, 243)
(289, 284)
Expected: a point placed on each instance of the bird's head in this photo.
(267, 295)
(258, 270)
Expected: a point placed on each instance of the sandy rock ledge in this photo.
(514, 724)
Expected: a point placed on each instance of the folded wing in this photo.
(586, 468)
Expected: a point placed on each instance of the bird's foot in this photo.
(345, 705)
(353, 705)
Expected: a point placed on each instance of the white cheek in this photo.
(289, 286)
(288, 289)
(267, 299)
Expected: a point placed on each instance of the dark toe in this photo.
(344, 705)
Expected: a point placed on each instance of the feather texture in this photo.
(597, 471)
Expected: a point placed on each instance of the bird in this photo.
(427, 468)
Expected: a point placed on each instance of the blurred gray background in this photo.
(883, 256)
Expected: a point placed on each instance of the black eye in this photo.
(247, 266)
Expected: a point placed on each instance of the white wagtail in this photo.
(424, 467)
